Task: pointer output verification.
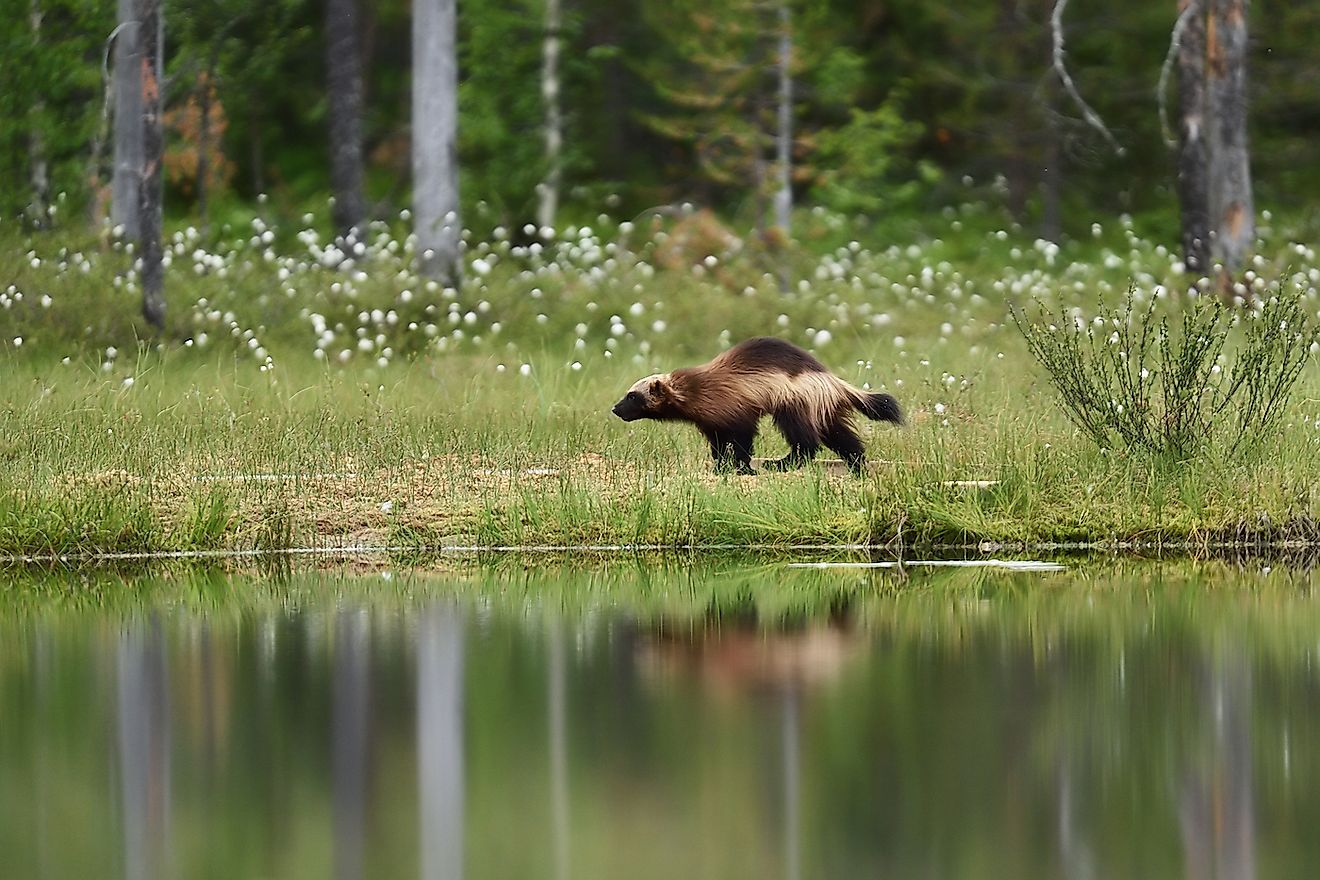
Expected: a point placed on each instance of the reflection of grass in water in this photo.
(702, 593)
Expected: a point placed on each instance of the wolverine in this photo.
(726, 397)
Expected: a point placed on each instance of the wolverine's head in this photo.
(649, 398)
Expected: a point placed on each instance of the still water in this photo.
(685, 720)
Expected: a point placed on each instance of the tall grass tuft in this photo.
(1172, 380)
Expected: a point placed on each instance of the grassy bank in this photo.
(293, 404)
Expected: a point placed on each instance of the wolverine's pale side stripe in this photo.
(729, 396)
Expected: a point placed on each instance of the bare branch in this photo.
(1092, 118)
(1175, 43)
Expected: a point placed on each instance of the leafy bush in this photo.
(1174, 378)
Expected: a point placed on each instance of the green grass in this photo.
(421, 437)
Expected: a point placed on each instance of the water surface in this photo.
(690, 720)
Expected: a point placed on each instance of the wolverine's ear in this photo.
(660, 391)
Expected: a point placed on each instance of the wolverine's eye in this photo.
(634, 397)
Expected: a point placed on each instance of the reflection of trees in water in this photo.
(1216, 806)
(144, 750)
(440, 742)
(349, 731)
(775, 668)
(557, 698)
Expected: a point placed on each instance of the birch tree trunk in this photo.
(435, 140)
(344, 87)
(1232, 209)
(784, 136)
(38, 167)
(126, 180)
(1193, 197)
(150, 183)
(554, 127)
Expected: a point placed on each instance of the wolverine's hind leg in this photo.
(732, 449)
(842, 438)
(803, 441)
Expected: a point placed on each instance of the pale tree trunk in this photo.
(1192, 158)
(38, 167)
(435, 139)
(344, 87)
(554, 126)
(150, 183)
(1232, 210)
(126, 182)
(784, 136)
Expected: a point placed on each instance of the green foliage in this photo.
(1128, 378)
(863, 167)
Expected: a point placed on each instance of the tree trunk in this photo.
(150, 188)
(554, 126)
(1051, 174)
(38, 167)
(1193, 198)
(126, 184)
(1232, 210)
(784, 136)
(435, 140)
(344, 84)
(203, 150)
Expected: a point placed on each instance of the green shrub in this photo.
(1173, 378)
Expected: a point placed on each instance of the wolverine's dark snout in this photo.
(630, 408)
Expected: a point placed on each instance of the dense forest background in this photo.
(899, 106)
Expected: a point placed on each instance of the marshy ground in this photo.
(301, 399)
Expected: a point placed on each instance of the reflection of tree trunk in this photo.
(440, 742)
(558, 713)
(128, 121)
(43, 674)
(1216, 802)
(791, 727)
(352, 708)
(144, 751)
(1074, 854)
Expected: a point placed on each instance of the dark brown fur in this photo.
(727, 397)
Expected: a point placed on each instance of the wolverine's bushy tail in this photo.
(879, 407)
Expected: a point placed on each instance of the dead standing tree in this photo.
(344, 88)
(150, 184)
(1214, 171)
